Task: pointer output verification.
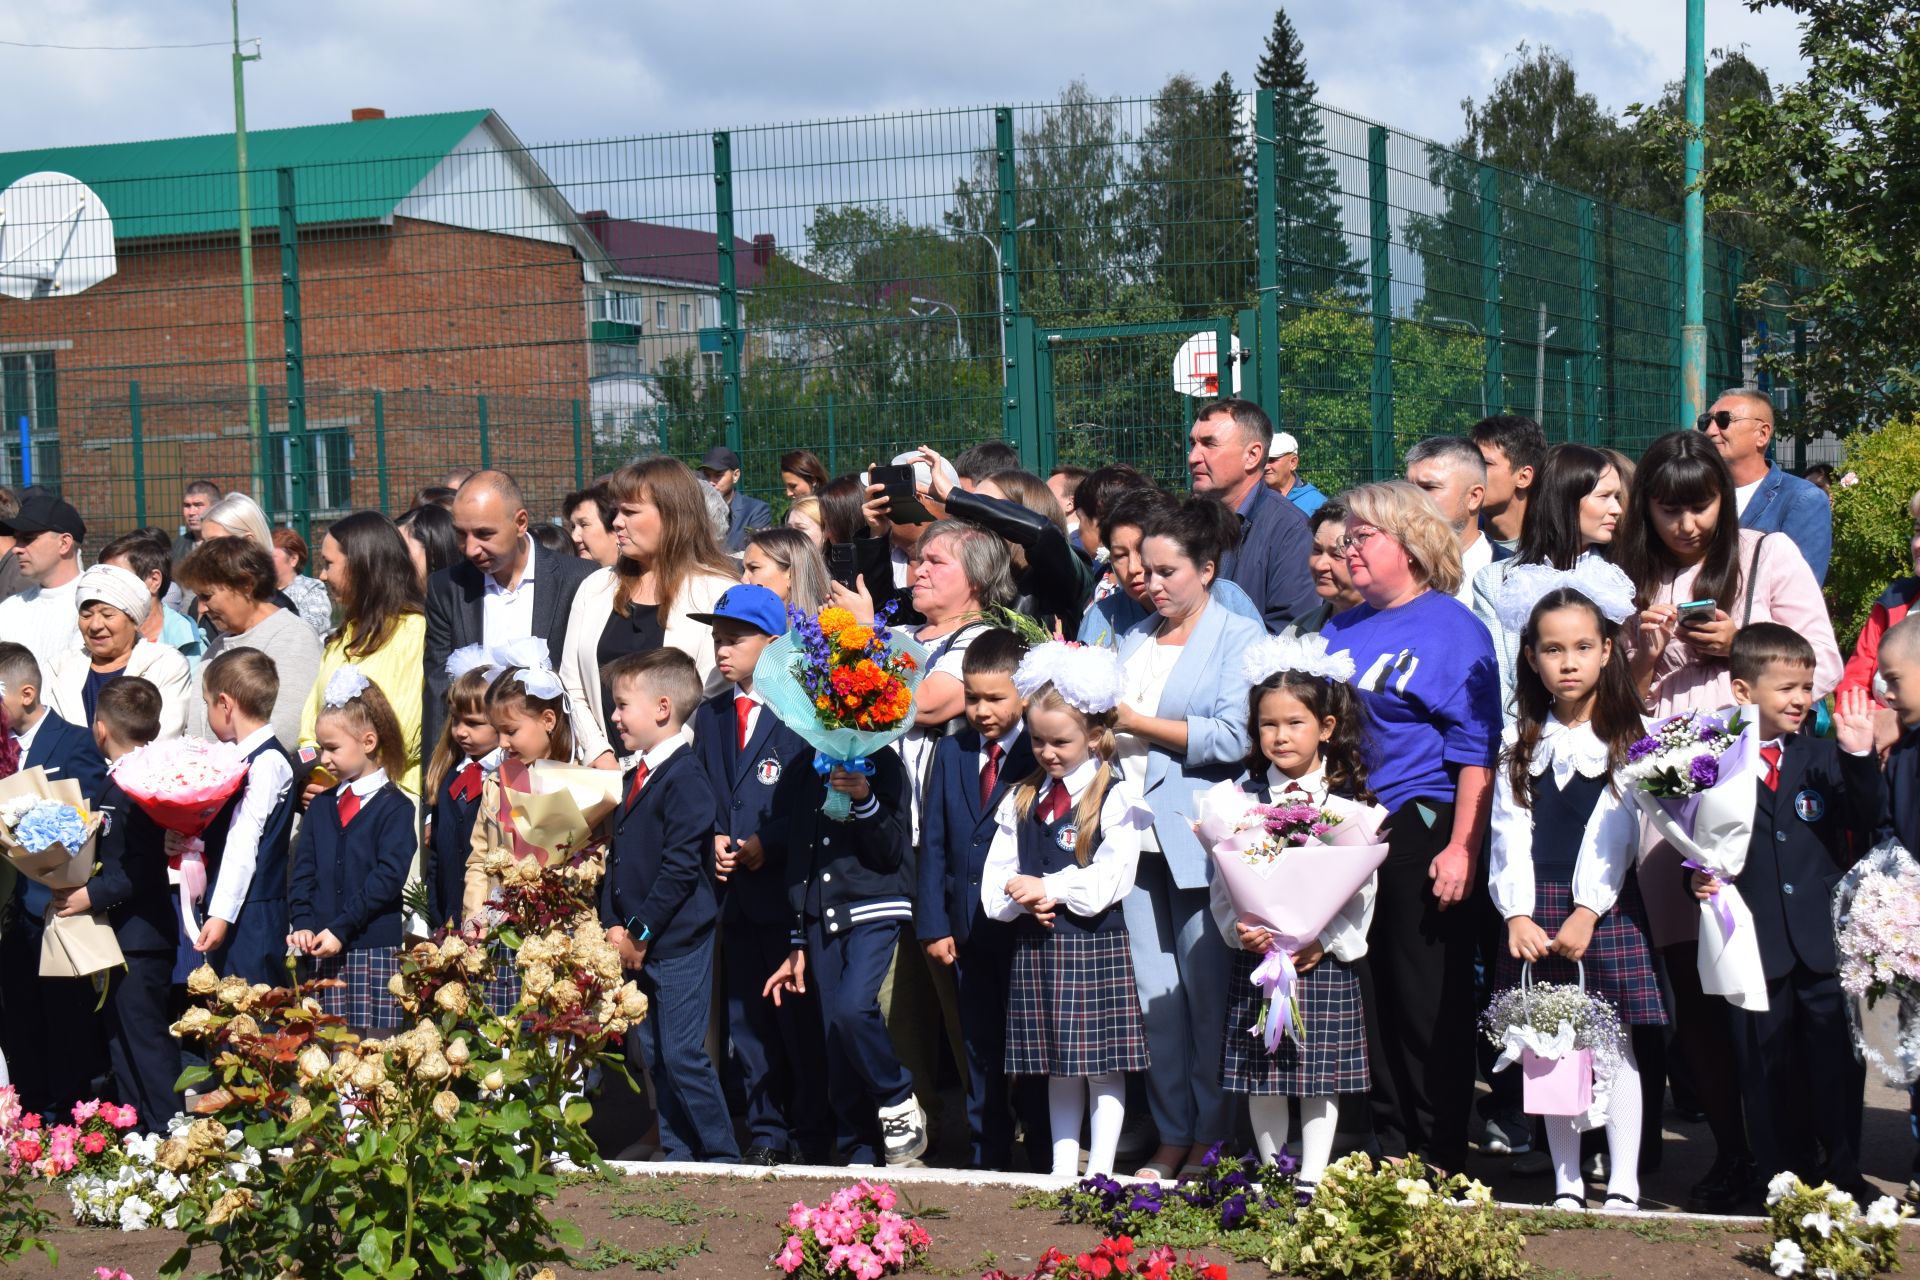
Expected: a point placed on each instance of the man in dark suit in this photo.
(508, 586)
(1227, 459)
(778, 1051)
(1816, 801)
(721, 469)
(972, 772)
(48, 1021)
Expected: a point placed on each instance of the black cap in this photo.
(720, 458)
(42, 513)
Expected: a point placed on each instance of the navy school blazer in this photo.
(744, 786)
(349, 879)
(65, 751)
(131, 884)
(660, 871)
(956, 832)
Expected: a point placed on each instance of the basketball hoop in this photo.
(1196, 366)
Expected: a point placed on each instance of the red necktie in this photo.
(990, 773)
(1771, 754)
(639, 778)
(466, 783)
(349, 806)
(1054, 807)
(742, 712)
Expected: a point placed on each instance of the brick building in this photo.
(448, 292)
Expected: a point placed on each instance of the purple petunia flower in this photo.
(1704, 771)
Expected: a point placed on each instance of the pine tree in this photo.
(1314, 254)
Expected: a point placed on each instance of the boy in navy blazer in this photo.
(130, 887)
(777, 1052)
(1899, 677)
(45, 1013)
(1817, 802)
(972, 773)
(657, 900)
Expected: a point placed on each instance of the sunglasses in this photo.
(1723, 419)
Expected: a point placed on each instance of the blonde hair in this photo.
(1086, 814)
(1408, 516)
(243, 515)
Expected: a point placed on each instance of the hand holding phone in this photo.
(903, 497)
(1697, 613)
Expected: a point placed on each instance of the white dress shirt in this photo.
(506, 613)
(363, 786)
(46, 620)
(1472, 560)
(1608, 845)
(1345, 937)
(268, 779)
(26, 739)
(753, 717)
(1084, 891)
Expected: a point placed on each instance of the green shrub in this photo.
(1871, 527)
(1397, 1222)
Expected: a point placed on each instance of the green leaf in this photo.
(191, 1077)
(579, 1111)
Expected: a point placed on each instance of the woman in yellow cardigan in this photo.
(383, 629)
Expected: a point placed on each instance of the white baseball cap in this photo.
(1283, 444)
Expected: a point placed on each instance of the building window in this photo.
(27, 392)
(329, 474)
(710, 313)
(611, 359)
(686, 316)
(660, 315)
(622, 308)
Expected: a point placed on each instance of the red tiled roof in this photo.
(656, 251)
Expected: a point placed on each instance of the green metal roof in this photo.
(355, 171)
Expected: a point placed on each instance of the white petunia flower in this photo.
(1821, 1222)
(1787, 1259)
(1884, 1212)
(1781, 1187)
(135, 1214)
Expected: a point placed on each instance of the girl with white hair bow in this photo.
(112, 604)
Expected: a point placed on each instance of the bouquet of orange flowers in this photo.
(844, 686)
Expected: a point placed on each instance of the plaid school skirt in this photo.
(1334, 1059)
(1619, 960)
(1072, 1008)
(365, 1003)
(502, 991)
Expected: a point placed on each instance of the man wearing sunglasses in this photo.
(1740, 424)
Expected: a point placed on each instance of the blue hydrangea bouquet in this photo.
(48, 832)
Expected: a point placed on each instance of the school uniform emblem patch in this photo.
(768, 771)
(1065, 837)
(1810, 805)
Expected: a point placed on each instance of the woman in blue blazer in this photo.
(1182, 726)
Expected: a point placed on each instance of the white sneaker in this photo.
(903, 1131)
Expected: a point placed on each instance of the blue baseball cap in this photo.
(749, 603)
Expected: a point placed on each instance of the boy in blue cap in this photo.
(777, 1050)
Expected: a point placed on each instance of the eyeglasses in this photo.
(1723, 419)
(1353, 541)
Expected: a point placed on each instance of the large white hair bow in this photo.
(344, 685)
(1306, 654)
(1601, 581)
(467, 658)
(1087, 677)
(529, 654)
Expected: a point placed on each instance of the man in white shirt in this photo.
(1450, 471)
(46, 534)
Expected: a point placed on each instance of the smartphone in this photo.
(1697, 613)
(841, 564)
(903, 503)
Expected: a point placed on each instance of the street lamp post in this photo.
(959, 342)
(999, 287)
(1540, 366)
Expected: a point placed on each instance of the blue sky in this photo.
(561, 69)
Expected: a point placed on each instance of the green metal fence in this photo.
(446, 297)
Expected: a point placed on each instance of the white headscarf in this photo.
(110, 584)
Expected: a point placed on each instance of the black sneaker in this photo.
(903, 1131)
(761, 1154)
(1726, 1186)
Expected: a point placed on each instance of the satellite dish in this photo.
(1196, 366)
(56, 237)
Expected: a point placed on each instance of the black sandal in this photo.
(1620, 1204)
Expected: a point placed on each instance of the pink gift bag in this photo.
(1557, 1086)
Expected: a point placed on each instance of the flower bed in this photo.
(853, 1233)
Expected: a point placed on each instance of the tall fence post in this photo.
(833, 444)
(139, 456)
(579, 454)
(265, 417)
(295, 339)
(380, 446)
(729, 293)
(486, 435)
(1492, 226)
(1736, 352)
(1007, 262)
(1265, 340)
(1676, 331)
(1381, 226)
(1589, 325)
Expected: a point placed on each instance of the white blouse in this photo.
(1084, 891)
(1607, 847)
(1345, 937)
(1146, 674)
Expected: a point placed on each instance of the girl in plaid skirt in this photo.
(1309, 734)
(1564, 835)
(467, 754)
(1062, 858)
(528, 708)
(356, 846)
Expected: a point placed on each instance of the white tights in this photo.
(1067, 1102)
(1624, 1108)
(1318, 1119)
